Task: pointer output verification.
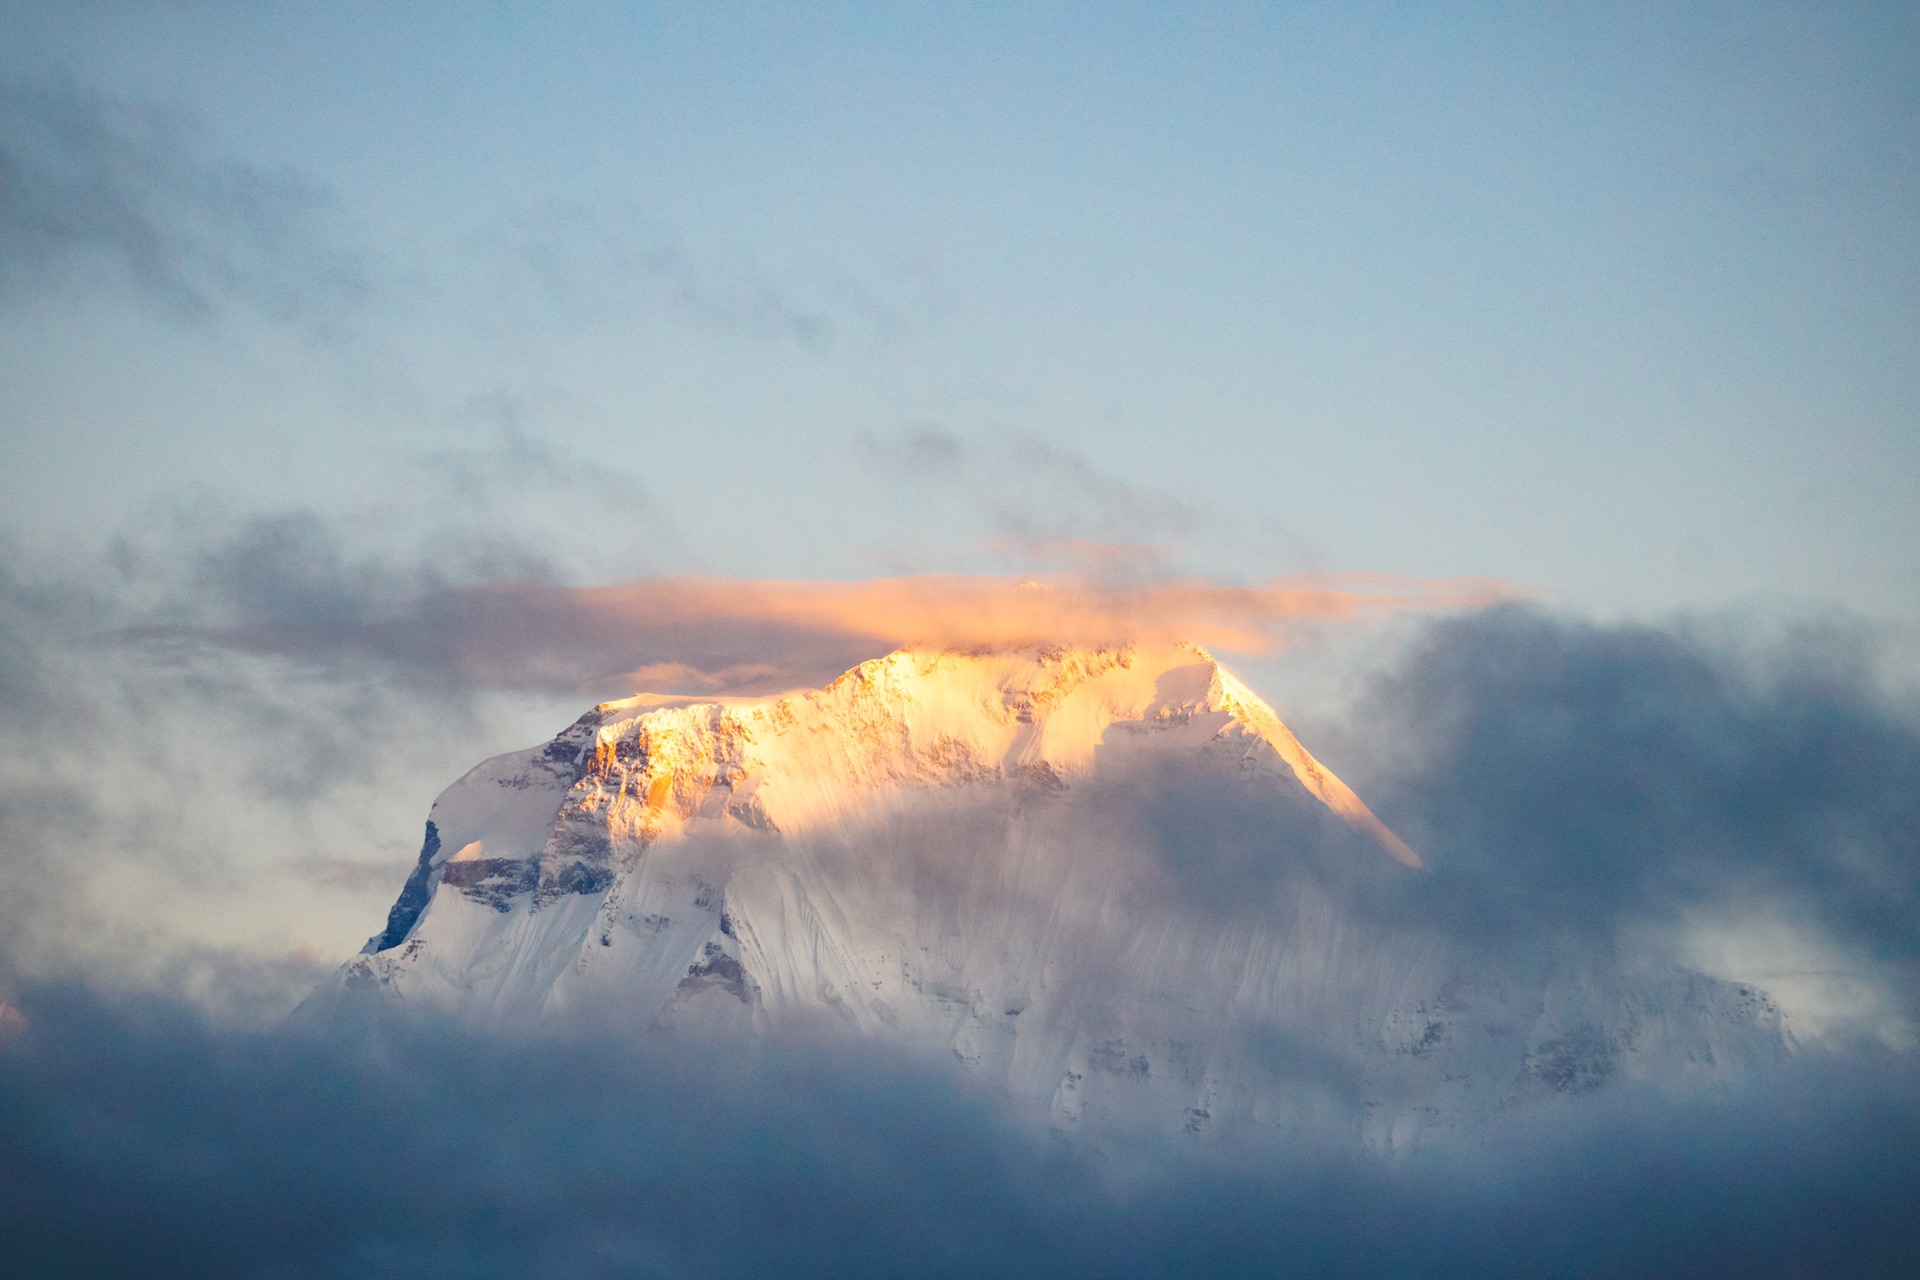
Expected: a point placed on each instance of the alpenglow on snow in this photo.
(1109, 880)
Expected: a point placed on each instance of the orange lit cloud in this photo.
(986, 610)
(708, 634)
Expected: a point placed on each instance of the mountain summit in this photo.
(1110, 879)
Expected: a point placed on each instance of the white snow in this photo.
(506, 805)
(946, 850)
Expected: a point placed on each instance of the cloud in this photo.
(170, 804)
(1041, 504)
(1570, 779)
(160, 801)
(90, 184)
(1560, 778)
(776, 633)
(473, 612)
(589, 266)
(98, 189)
(141, 1139)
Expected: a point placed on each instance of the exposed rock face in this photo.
(1111, 880)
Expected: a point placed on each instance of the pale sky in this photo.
(1620, 305)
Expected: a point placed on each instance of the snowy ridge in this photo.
(1056, 865)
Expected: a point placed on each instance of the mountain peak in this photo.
(1106, 877)
(1098, 874)
(991, 710)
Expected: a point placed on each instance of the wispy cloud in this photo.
(223, 704)
(768, 633)
(100, 190)
(593, 266)
(1040, 504)
(92, 186)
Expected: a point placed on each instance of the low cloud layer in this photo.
(141, 1142)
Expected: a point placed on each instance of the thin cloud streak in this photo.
(87, 179)
(710, 634)
(588, 266)
(1042, 504)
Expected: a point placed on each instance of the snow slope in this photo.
(1110, 880)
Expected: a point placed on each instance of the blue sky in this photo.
(1619, 305)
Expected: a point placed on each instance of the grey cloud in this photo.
(513, 504)
(95, 188)
(40, 798)
(284, 587)
(141, 1140)
(467, 614)
(1568, 777)
(1561, 779)
(173, 767)
(1577, 791)
(376, 875)
(91, 184)
(416, 589)
(137, 754)
(747, 634)
(226, 782)
(515, 459)
(920, 451)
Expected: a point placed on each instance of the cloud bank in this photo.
(1585, 781)
(140, 1141)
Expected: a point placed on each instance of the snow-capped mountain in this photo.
(1110, 880)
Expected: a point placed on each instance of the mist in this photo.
(140, 1140)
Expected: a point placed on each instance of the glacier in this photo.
(1110, 882)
